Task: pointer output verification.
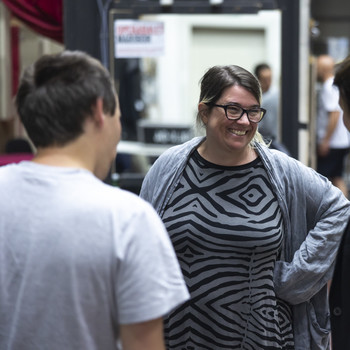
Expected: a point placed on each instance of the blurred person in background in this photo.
(340, 287)
(83, 265)
(255, 231)
(270, 100)
(333, 139)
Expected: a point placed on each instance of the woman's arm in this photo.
(318, 214)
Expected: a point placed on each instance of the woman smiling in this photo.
(255, 231)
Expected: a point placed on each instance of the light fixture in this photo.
(216, 2)
(166, 2)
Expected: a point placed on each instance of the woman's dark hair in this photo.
(58, 93)
(342, 80)
(218, 78)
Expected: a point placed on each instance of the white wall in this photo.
(193, 43)
(5, 64)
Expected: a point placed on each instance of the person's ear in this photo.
(203, 111)
(98, 114)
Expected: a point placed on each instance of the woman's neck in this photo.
(240, 157)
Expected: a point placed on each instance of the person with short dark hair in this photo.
(256, 232)
(270, 101)
(340, 287)
(83, 265)
(264, 74)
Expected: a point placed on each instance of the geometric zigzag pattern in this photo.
(226, 229)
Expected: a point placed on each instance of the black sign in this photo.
(164, 134)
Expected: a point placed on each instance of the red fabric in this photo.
(43, 16)
(14, 158)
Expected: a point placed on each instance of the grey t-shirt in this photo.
(77, 259)
(269, 126)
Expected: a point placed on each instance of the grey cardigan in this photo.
(315, 215)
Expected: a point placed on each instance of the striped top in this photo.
(227, 231)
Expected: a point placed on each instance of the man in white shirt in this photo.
(332, 136)
(83, 265)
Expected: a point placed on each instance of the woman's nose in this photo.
(244, 118)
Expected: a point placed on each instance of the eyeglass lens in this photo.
(236, 112)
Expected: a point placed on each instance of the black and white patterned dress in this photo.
(226, 228)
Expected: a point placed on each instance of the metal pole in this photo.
(290, 75)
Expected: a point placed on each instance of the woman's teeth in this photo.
(238, 132)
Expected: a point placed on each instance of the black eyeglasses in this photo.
(235, 112)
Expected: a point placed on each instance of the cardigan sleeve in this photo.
(318, 214)
(152, 189)
(166, 170)
(160, 176)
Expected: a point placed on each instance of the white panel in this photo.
(304, 84)
(211, 47)
(5, 64)
(195, 42)
(171, 73)
(304, 146)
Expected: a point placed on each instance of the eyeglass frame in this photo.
(244, 111)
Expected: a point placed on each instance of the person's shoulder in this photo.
(179, 149)
(274, 90)
(123, 200)
(5, 169)
(328, 85)
(176, 154)
(278, 158)
(9, 171)
(329, 81)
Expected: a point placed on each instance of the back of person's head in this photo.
(342, 80)
(58, 93)
(259, 68)
(264, 74)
